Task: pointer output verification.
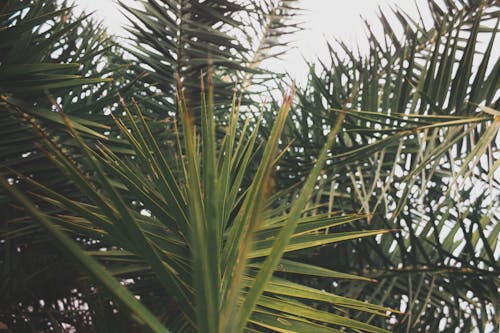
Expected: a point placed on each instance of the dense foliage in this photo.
(145, 189)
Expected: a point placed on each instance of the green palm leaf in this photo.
(417, 155)
(183, 254)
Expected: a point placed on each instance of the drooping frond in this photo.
(49, 59)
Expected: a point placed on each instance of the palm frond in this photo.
(49, 59)
(181, 39)
(417, 155)
(221, 245)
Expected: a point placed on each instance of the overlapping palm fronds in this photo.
(122, 220)
(47, 55)
(196, 245)
(419, 155)
(180, 39)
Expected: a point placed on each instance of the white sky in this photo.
(323, 20)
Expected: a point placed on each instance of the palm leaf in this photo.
(411, 159)
(162, 252)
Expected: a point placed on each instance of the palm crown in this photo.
(212, 214)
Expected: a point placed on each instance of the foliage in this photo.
(181, 39)
(47, 56)
(201, 238)
(141, 248)
(193, 214)
(418, 155)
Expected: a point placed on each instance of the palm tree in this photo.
(154, 238)
(224, 220)
(181, 39)
(46, 55)
(419, 154)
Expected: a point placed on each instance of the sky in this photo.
(323, 20)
